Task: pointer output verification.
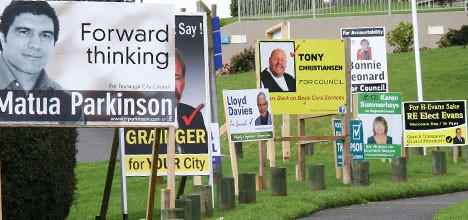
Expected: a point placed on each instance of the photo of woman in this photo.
(380, 130)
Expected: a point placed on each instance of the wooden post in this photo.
(439, 165)
(262, 164)
(466, 155)
(399, 173)
(278, 181)
(456, 153)
(317, 177)
(196, 207)
(174, 213)
(247, 193)
(232, 153)
(361, 173)
(301, 161)
(110, 176)
(180, 191)
(206, 200)
(239, 150)
(226, 196)
(170, 165)
(186, 205)
(286, 131)
(271, 152)
(309, 149)
(154, 174)
(165, 198)
(346, 167)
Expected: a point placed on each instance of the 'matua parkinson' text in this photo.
(110, 103)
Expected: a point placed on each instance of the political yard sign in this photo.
(192, 134)
(356, 141)
(368, 59)
(248, 114)
(101, 71)
(435, 123)
(303, 76)
(381, 117)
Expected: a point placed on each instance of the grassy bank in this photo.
(444, 78)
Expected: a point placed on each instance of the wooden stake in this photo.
(262, 163)
(154, 173)
(171, 165)
(110, 175)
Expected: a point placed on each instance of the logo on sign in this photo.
(356, 132)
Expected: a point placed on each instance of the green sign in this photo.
(379, 103)
(382, 151)
(252, 136)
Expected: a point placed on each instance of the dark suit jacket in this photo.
(272, 86)
(457, 141)
(191, 136)
(197, 126)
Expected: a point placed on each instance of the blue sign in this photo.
(356, 141)
(338, 143)
(225, 40)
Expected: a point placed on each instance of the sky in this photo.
(223, 10)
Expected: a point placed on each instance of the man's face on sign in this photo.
(262, 105)
(179, 81)
(277, 62)
(28, 45)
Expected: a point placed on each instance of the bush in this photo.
(233, 7)
(401, 37)
(38, 172)
(454, 37)
(243, 62)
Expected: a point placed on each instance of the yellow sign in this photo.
(303, 76)
(185, 164)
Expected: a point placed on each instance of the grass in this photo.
(455, 211)
(443, 72)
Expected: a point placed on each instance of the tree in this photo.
(38, 172)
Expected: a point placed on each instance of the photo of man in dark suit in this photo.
(274, 77)
(28, 33)
(189, 119)
(458, 139)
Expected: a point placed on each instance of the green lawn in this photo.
(444, 78)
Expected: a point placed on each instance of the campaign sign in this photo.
(356, 141)
(248, 114)
(368, 58)
(192, 134)
(380, 114)
(337, 131)
(303, 76)
(435, 123)
(89, 68)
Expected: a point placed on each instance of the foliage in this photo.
(223, 70)
(401, 37)
(38, 178)
(454, 37)
(234, 8)
(243, 61)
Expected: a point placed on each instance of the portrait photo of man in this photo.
(29, 31)
(458, 139)
(265, 116)
(189, 119)
(274, 77)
